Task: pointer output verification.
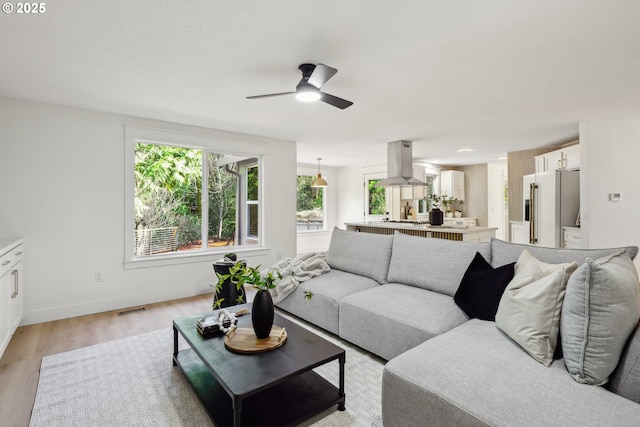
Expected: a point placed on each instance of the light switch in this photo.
(614, 197)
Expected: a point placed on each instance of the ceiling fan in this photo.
(308, 90)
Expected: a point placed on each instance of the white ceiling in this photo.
(494, 76)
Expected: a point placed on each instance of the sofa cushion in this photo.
(434, 264)
(481, 288)
(600, 311)
(504, 253)
(472, 375)
(529, 310)
(360, 253)
(328, 290)
(390, 319)
(625, 380)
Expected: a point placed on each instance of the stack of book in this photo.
(209, 326)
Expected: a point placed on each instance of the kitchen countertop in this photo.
(428, 227)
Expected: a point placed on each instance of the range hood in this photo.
(399, 165)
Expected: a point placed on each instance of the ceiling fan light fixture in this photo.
(307, 94)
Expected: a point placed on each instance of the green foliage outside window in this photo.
(377, 205)
(309, 198)
(168, 189)
(168, 193)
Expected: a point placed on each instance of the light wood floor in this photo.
(20, 364)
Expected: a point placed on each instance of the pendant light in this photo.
(319, 181)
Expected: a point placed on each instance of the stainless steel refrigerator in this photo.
(551, 201)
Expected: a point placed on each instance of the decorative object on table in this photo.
(244, 340)
(457, 214)
(262, 313)
(446, 203)
(262, 309)
(226, 293)
(222, 322)
(436, 216)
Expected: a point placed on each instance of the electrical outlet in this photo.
(99, 277)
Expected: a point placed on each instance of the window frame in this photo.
(313, 173)
(365, 188)
(208, 144)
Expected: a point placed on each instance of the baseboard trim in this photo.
(99, 306)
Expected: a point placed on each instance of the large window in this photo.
(182, 193)
(173, 209)
(425, 204)
(375, 198)
(310, 208)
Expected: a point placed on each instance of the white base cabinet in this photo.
(459, 222)
(11, 289)
(571, 238)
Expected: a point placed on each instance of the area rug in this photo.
(131, 382)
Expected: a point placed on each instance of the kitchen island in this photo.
(467, 234)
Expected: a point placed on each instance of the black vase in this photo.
(262, 314)
(436, 217)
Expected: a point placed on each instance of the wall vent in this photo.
(131, 310)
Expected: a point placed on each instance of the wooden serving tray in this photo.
(244, 340)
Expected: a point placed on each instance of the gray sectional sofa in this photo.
(393, 296)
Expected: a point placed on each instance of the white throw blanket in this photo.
(296, 270)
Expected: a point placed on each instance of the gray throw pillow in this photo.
(600, 311)
(529, 310)
(625, 380)
(364, 254)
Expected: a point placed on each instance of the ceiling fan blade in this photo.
(321, 74)
(335, 101)
(269, 95)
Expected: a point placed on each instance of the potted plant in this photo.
(447, 202)
(458, 212)
(435, 214)
(262, 309)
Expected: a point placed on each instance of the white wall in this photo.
(351, 192)
(610, 156)
(497, 215)
(315, 241)
(62, 171)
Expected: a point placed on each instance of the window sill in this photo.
(312, 232)
(189, 258)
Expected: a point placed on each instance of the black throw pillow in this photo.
(482, 287)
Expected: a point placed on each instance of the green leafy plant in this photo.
(240, 274)
(444, 201)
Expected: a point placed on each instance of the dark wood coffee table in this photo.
(275, 388)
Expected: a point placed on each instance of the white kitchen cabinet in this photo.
(518, 233)
(571, 238)
(452, 184)
(11, 289)
(412, 192)
(567, 158)
(541, 165)
(553, 160)
(571, 157)
(459, 222)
